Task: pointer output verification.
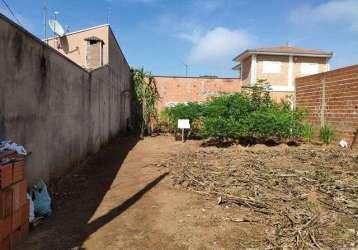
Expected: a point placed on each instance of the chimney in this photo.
(94, 52)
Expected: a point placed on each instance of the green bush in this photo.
(234, 106)
(307, 132)
(275, 122)
(220, 128)
(326, 134)
(191, 111)
(251, 114)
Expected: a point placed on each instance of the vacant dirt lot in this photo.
(305, 196)
(123, 198)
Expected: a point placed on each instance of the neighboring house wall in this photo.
(174, 90)
(54, 107)
(323, 65)
(282, 82)
(74, 45)
(331, 98)
(275, 79)
(116, 56)
(246, 71)
(283, 96)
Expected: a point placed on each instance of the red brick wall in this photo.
(174, 90)
(331, 98)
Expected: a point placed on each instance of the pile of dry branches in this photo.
(308, 195)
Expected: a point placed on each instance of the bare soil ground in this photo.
(124, 198)
(305, 196)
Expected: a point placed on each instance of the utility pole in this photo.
(45, 20)
(186, 69)
(108, 14)
(55, 14)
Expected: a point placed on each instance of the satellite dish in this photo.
(56, 27)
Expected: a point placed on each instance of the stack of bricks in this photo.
(14, 206)
(331, 98)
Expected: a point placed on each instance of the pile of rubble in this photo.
(307, 195)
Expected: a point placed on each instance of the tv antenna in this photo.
(56, 27)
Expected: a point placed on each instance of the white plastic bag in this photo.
(13, 146)
(32, 209)
(343, 143)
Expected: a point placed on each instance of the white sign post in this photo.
(183, 124)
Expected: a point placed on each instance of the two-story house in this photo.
(90, 48)
(280, 66)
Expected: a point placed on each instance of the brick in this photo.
(6, 202)
(5, 175)
(192, 89)
(16, 220)
(10, 155)
(19, 194)
(25, 213)
(20, 225)
(18, 235)
(15, 238)
(18, 171)
(341, 94)
(5, 227)
(5, 244)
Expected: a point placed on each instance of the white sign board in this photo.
(183, 124)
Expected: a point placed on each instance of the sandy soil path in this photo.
(121, 199)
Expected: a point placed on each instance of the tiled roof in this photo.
(287, 50)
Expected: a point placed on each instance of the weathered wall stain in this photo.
(18, 43)
(44, 70)
(2, 126)
(54, 107)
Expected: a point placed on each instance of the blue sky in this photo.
(163, 35)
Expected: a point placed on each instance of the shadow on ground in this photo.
(79, 194)
(249, 142)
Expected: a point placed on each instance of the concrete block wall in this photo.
(331, 98)
(54, 107)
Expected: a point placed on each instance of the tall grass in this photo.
(327, 134)
(307, 132)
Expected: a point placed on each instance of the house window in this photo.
(271, 67)
(309, 68)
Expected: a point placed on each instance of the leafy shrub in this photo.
(260, 94)
(233, 116)
(275, 122)
(191, 111)
(220, 128)
(307, 131)
(234, 105)
(326, 134)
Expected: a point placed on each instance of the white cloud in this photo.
(193, 37)
(218, 46)
(339, 11)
